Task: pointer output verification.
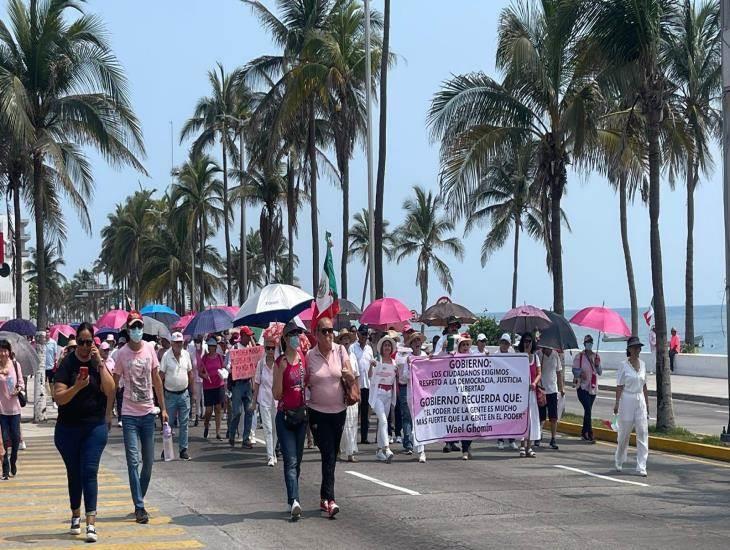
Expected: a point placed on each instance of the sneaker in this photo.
(513, 445)
(466, 456)
(324, 507)
(5, 477)
(90, 533)
(119, 423)
(388, 456)
(642, 473)
(380, 456)
(271, 462)
(408, 452)
(13, 469)
(141, 515)
(422, 457)
(399, 439)
(619, 469)
(218, 437)
(75, 526)
(55, 405)
(446, 448)
(23, 446)
(295, 510)
(553, 445)
(334, 509)
(247, 444)
(184, 455)
(500, 445)
(391, 440)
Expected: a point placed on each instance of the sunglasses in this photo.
(326, 331)
(85, 342)
(269, 348)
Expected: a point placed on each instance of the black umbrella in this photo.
(437, 315)
(559, 335)
(25, 354)
(20, 326)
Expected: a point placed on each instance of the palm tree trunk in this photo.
(18, 246)
(242, 259)
(201, 307)
(365, 286)
(344, 166)
(382, 148)
(623, 200)
(516, 259)
(312, 151)
(665, 412)
(556, 253)
(424, 289)
(291, 215)
(226, 229)
(40, 244)
(689, 302)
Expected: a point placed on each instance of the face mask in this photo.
(589, 346)
(136, 334)
(293, 341)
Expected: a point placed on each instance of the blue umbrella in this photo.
(210, 320)
(20, 326)
(160, 312)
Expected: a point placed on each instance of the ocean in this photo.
(709, 323)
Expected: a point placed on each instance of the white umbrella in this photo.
(272, 304)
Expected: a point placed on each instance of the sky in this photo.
(167, 46)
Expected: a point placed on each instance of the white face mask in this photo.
(589, 346)
(136, 334)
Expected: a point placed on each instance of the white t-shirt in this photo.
(550, 368)
(363, 356)
(264, 377)
(630, 379)
(176, 371)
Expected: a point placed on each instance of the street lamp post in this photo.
(369, 148)
(725, 17)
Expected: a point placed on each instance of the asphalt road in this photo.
(229, 498)
(704, 418)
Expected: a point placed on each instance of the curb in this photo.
(681, 396)
(655, 443)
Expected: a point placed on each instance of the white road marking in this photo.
(383, 483)
(721, 412)
(601, 477)
(600, 397)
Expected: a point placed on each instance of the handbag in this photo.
(293, 418)
(22, 397)
(351, 389)
(540, 396)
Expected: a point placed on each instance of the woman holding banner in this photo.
(415, 342)
(464, 348)
(527, 345)
(383, 394)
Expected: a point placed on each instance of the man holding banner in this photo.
(243, 363)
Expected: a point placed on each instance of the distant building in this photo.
(7, 284)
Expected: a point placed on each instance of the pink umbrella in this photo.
(65, 330)
(114, 318)
(602, 319)
(233, 310)
(306, 315)
(385, 313)
(183, 322)
(523, 319)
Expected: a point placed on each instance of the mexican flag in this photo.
(326, 303)
(649, 314)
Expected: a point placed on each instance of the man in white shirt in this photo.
(176, 371)
(362, 354)
(552, 382)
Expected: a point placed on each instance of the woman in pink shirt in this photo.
(213, 386)
(11, 384)
(326, 366)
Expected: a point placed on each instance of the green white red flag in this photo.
(326, 303)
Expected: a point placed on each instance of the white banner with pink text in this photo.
(457, 397)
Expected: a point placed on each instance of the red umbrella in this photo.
(65, 330)
(602, 319)
(114, 318)
(524, 318)
(385, 313)
(183, 322)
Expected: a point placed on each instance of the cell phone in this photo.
(84, 372)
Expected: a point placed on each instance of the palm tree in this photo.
(423, 233)
(198, 198)
(61, 88)
(630, 38)
(506, 200)
(359, 244)
(215, 118)
(546, 96)
(695, 71)
(54, 278)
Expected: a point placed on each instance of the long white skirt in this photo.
(534, 424)
(350, 433)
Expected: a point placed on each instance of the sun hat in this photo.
(453, 320)
(177, 337)
(384, 339)
(414, 336)
(342, 334)
(71, 343)
(634, 341)
(506, 338)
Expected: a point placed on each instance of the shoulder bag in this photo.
(349, 385)
(22, 397)
(293, 418)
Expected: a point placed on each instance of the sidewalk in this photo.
(688, 388)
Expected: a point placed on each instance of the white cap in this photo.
(177, 337)
(506, 337)
(110, 337)
(482, 337)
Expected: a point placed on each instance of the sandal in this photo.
(531, 454)
(522, 452)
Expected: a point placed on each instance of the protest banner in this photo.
(243, 361)
(470, 397)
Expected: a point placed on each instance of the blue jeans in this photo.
(406, 417)
(178, 405)
(292, 449)
(10, 425)
(81, 448)
(139, 431)
(241, 400)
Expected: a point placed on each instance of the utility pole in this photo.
(725, 37)
(369, 148)
(244, 261)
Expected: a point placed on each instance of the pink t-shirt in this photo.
(9, 403)
(135, 369)
(211, 364)
(324, 377)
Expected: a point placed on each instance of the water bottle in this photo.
(614, 423)
(167, 442)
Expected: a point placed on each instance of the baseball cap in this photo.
(110, 337)
(247, 331)
(104, 346)
(482, 337)
(506, 338)
(122, 340)
(177, 337)
(133, 318)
